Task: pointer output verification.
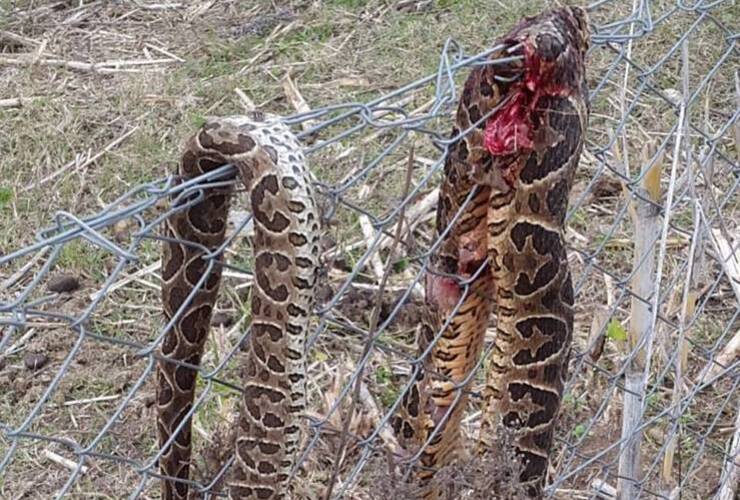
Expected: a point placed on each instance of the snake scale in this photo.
(511, 173)
(270, 164)
(518, 137)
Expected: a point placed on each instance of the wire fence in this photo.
(664, 139)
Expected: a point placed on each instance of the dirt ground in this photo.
(96, 98)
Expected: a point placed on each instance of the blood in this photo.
(472, 250)
(511, 130)
(442, 292)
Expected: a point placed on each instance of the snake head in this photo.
(552, 47)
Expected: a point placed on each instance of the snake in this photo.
(269, 163)
(515, 146)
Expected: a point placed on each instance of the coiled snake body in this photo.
(269, 162)
(517, 167)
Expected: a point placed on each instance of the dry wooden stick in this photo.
(597, 335)
(128, 278)
(623, 101)
(104, 67)
(646, 223)
(370, 337)
(18, 344)
(64, 462)
(13, 278)
(689, 299)
(165, 52)
(267, 45)
(688, 307)
(603, 490)
(75, 163)
(199, 9)
(247, 103)
(374, 414)
(158, 6)
(729, 257)
(17, 102)
(730, 478)
(296, 100)
(376, 265)
(98, 399)
(19, 39)
(728, 356)
(737, 123)
(630, 457)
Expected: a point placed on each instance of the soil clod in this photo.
(63, 283)
(35, 361)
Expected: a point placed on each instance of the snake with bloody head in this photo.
(518, 136)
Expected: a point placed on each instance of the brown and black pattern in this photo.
(514, 226)
(529, 263)
(428, 405)
(271, 166)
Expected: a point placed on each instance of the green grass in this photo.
(348, 4)
(81, 256)
(378, 49)
(6, 196)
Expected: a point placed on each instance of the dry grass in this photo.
(76, 136)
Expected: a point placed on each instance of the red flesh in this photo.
(510, 130)
(442, 292)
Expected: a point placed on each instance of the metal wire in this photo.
(631, 102)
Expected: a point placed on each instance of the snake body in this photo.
(516, 167)
(270, 164)
(519, 133)
(461, 313)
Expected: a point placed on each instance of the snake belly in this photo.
(271, 166)
(459, 293)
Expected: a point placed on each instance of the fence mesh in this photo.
(663, 140)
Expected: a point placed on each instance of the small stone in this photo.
(673, 95)
(121, 229)
(63, 283)
(222, 318)
(35, 361)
